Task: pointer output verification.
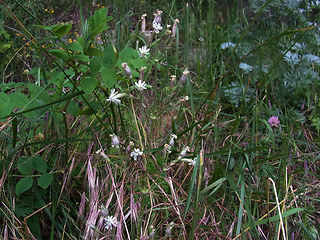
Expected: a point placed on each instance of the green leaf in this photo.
(75, 46)
(39, 164)
(5, 106)
(73, 108)
(62, 30)
(94, 52)
(126, 54)
(109, 77)
(18, 100)
(59, 53)
(94, 66)
(45, 180)
(109, 59)
(25, 165)
(81, 57)
(88, 84)
(5, 110)
(97, 22)
(4, 98)
(4, 47)
(23, 185)
(138, 63)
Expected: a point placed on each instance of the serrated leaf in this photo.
(59, 53)
(45, 180)
(75, 46)
(109, 59)
(23, 185)
(109, 77)
(39, 164)
(62, 30)
(18, 100)
(25, 165)
(94, 65)
(88, 84)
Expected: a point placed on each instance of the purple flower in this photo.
(274, 121)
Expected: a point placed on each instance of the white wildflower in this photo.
(312, 58)
(169, 229)
(109, 222)
(191, 162)
(228, 45)
(157, 27)
(167, 148)
(291, 58)
(114, 96)
(173, 137)
(143, 51)
(140, 85)
(245, 67)
(184, 152)
(115, 140)
(143, 24)
(184, 76)
(136, 152)
(126, 69)
(174, 28)
(103, 155)
(157, 17)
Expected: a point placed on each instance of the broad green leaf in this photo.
(109, 59)
(62, 30)
(59, 53)
(126, 55)
(73, 108)
(97, 22)
(81, 57)
(94, 52)
(38, 92)
(25, 165)
(94, 66)
(5, 109)
(45, 180)
(75, 46)
(138, 63)
(88, 84)
(18, 99)
(23, 185)
(109, 77)
(4, 98)
(39, 164)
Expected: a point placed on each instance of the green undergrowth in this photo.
(198, 120)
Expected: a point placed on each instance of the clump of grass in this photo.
(177, 121)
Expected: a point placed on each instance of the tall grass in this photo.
(220, 143)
